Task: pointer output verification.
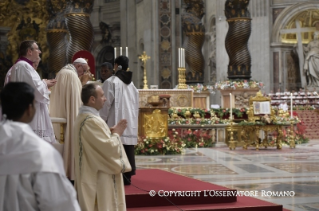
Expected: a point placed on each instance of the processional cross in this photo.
(144, 58)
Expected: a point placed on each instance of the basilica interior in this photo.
(263, 41)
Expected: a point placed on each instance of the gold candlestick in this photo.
(144, 58)
(181, 78)
(232, 143)
(292, 143)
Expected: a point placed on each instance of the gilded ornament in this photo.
(13, 14)
(165, 45)
(156, 124)
(182, 101)
(187, 114)
(166, 73)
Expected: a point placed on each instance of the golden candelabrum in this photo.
(182, 78)
(144, 58)
(232, 143)
(292, 137)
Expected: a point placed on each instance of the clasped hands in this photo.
(87, 76)
(119, 127)
(50, 82)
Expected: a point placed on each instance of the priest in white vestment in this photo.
(122, 103)
(65, 101)
(100, 158)
(32, 176)
(23, 70)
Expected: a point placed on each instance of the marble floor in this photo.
(265, 170)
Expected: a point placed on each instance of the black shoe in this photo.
(127, 181)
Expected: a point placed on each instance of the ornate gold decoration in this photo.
(57, 30)
(187, 114)
(232, 143)
(182, 101)
(144, 58)
(196, 115)
(292, 136)
(179, 97)
(156, 124)
(165, 45)
(77, 14)
(238, 19)
(181, 78)
(248, 135)
(166, 73)
(307, 19)
(258, 98)
(11, 15)
(56, 6)
(61, 133)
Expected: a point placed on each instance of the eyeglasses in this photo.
(37, 49)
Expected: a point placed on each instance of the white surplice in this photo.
(122, 102)
(32, 176)
(41, 123)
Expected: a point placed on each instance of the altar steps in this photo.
(138, 195)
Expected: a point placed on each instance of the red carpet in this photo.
(158, 180)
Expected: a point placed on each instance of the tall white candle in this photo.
(231, 110)
(126, 53)
(291, 105)
(179, 57)
(120, 51)
(114, 53)
(183, 57)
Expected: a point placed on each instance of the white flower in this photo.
(152, 151)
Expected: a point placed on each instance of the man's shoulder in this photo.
(88, 118)
(29, 150)
(22, 64)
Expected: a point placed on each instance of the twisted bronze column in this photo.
(239, 21)
(195, 37)
(79, 27)
(56, 35)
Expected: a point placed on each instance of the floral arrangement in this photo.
(233, 84)
(204, 113)
(297, 135)
(175, 143)
(196, 138)
(286, 120)
(195, 122)
(163, 146)
(200, 87)
(277, 121)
